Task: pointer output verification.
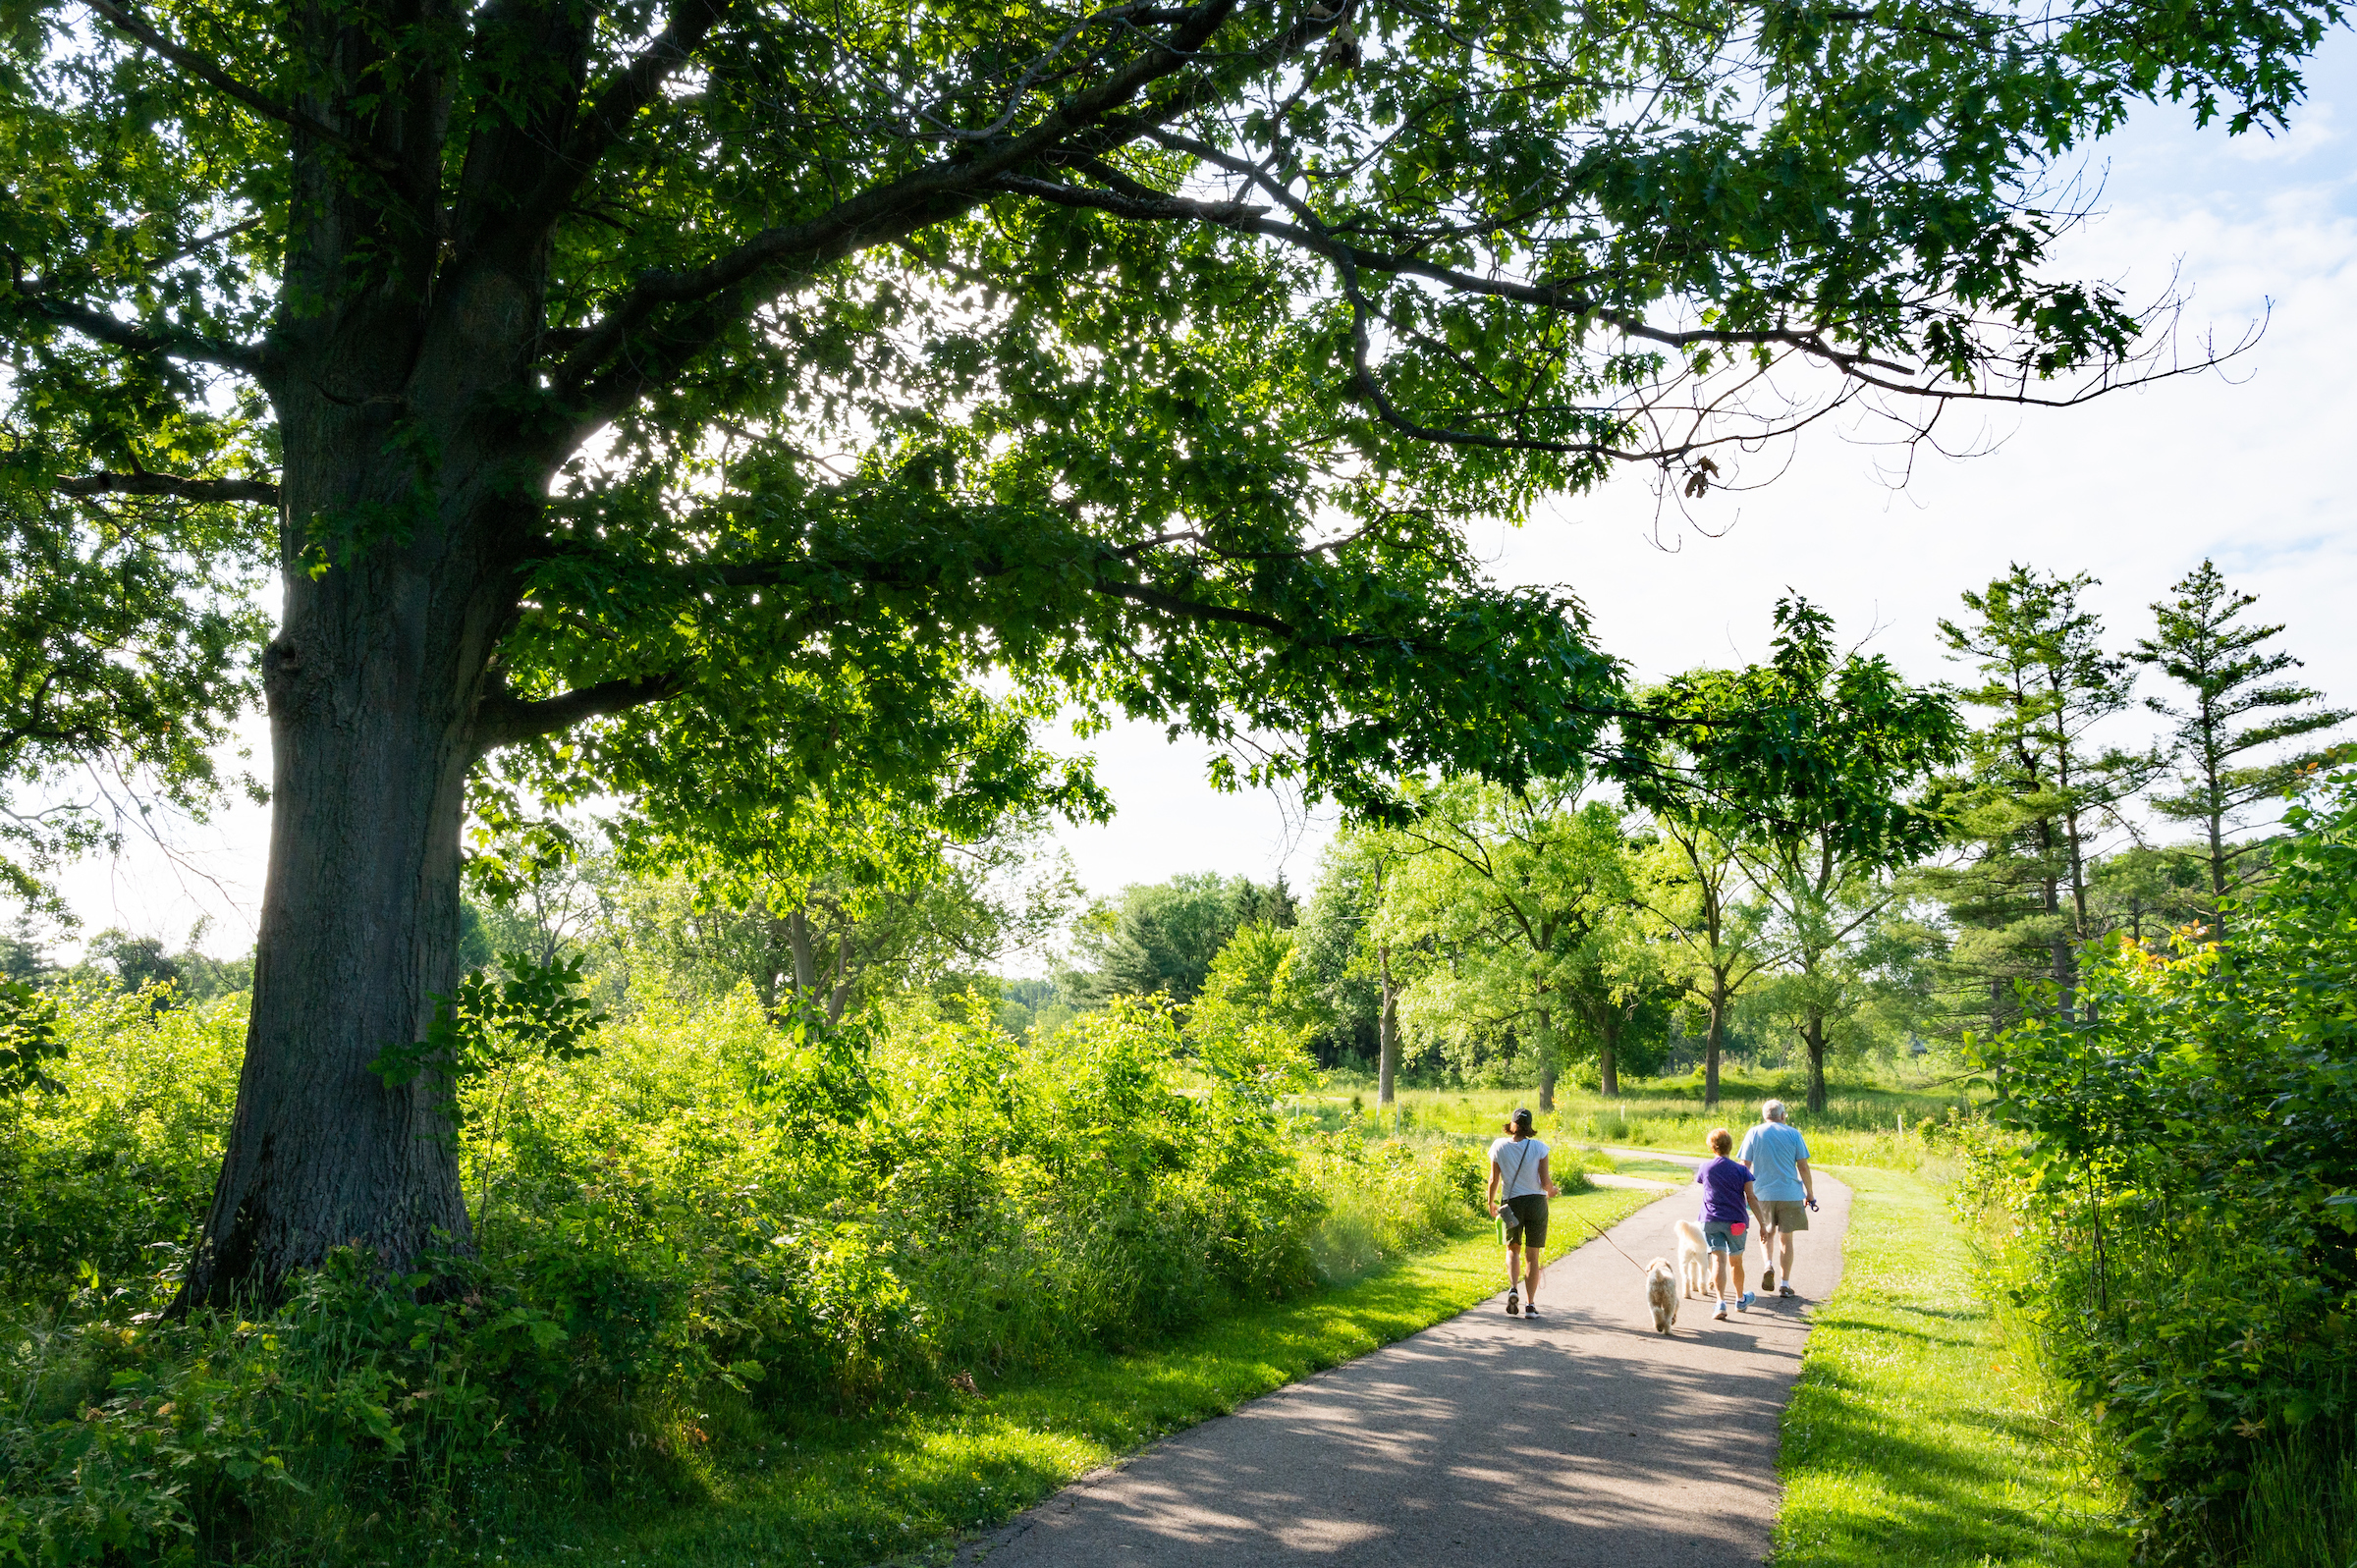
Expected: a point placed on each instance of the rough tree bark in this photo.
(376, 687)
(412, 488)
(1387, 1030)
(1608, 1052)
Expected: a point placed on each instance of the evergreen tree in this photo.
(2228, 677)
(1160, 937)
(2039, 788)
(22, 957)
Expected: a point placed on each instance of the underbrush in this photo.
(1896, 1130)
(688, 1244)
(1384, 1198)
(2180, 1216)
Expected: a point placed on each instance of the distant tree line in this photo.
(1522, 934)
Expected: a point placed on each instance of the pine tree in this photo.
(2228, 677)
(2039, 789)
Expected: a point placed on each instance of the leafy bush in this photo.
(692, 1224)
(1388, 1197)
(2185, 1196)
(113, 1155)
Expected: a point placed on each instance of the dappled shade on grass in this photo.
(1915, 1435)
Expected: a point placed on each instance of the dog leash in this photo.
(1609, 1241)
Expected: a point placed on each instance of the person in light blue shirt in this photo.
(1779, 1158)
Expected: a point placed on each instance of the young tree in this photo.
(2228, 678)
(1347, 952)
(1713, 932)
(1255, 983)
(1614, 974)
(1504, 891)
(838, 936)
(1826, 914)
(1827, 796)
(2039, 787)
(684, 402)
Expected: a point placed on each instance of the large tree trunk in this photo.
(1608, 1052)
(374, 684)
(1387, 1031)
(405, 504)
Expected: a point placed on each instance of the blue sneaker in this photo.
(1745, 1304)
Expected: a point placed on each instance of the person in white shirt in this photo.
(1518, 1163)
(1779, 1158)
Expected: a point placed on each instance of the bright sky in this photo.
(2249, 465)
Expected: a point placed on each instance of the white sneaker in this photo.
(1720, 1313)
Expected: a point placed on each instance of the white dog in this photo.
(1693, 1259)
(1660, 1294)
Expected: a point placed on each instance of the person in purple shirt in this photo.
(1727, 1197)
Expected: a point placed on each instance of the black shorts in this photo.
(1522, 1221)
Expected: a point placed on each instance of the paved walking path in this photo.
(1583, 1438)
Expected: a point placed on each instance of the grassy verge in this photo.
(857, 1490)
(1867, 1124)
(1915, 1435)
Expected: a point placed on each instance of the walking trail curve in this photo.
(1582, 1439)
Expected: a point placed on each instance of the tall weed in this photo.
(709, 1228)
(2179, 1188)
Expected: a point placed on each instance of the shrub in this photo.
(2183, 1191)
(1386, 1196)
(699, 1212)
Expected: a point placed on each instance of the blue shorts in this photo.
(1725, 1235)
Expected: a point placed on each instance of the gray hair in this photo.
(1772, 1110)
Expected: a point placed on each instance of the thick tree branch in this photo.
(503, 720)
(145, 338)
(1156, 599)
(1139, 202)
(607, 118)
(878, 216)
(213, 76)
(105, 483)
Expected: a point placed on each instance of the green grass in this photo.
(1862, 1123)
(1655, 1170)
(1916, 1434)
(907, 1485)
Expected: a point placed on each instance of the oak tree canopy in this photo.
(738, 408)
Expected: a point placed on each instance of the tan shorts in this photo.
(1786, 1214)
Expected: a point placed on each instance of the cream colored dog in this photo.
(1693, 1259)
(1660, 1294)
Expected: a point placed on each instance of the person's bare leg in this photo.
(1514, 1267)
(1738, 1260)
(1719, 1265)
(1783, 1270)
(1533, 1266)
